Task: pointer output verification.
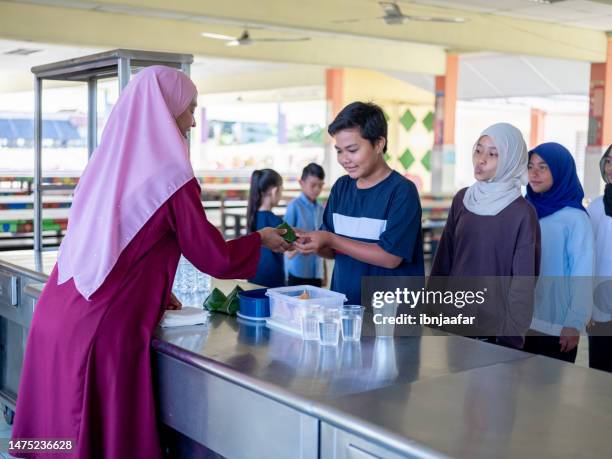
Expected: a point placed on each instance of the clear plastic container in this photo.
(287, 310)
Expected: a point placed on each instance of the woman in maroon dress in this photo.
(86, 374)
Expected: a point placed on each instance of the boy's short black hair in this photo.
(315, 170)
(367, 116)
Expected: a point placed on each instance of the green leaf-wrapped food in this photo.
(215, 301)
(289, 236)
(232, 303)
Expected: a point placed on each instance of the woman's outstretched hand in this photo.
(272, 238)
(173, 303)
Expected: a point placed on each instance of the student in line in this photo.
(306, 214)
(564, 290)
(600, 331)
(372, 221)
(491, 229)
(265, 194)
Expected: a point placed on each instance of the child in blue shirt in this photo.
(306, 214)
(372, 221)
(265, 193)
(564, 289)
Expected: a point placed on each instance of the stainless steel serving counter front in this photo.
(247, 391)
(409, 396)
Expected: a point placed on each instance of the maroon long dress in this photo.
(87, 371)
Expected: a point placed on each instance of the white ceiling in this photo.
(47, 53)
(579, 13)
(483, 75)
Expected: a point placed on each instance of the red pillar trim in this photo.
(446, 102)
(334, 88)
(536, 135)
(600, 102)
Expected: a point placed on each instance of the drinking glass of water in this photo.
(310, 321)
(329, 326)
(351, 319)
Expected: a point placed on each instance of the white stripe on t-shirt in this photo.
(359, 227)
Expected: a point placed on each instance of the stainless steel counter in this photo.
(535, 407)
(285, 367)
(29, 262)
(414, 395)
(247, 391)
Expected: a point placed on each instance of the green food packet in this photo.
(215, 301)
(289, 236)
(232, 302)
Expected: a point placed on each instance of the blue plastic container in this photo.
(254, 304)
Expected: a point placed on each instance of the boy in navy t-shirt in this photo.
(372, 221)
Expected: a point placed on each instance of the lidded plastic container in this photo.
(288, 304)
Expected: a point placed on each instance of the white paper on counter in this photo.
(184, 316)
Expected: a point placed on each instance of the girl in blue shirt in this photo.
(265, 193)
(564, 289)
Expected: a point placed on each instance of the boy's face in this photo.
(356, 154)
(311, 187)
(485, 159)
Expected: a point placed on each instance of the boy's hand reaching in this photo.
(272, 238)
(312, 242)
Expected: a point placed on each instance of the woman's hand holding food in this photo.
(272, 238)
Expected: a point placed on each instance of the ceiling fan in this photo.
(394, 16)
(245, 39)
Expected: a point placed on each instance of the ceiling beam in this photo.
(79, 27)
(481, 32)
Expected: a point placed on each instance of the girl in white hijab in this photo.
(491, 229)
(492, 194)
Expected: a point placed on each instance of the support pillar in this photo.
(443, 153)
(600, 122)
(536, 135)
(334, 94)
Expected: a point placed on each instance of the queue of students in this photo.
(371, 226)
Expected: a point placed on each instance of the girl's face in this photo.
(275, 194)
(608, 167)
(357, 155)
(540, 177)
(485, 159)
(186, 120)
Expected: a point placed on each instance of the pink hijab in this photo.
(141, 161)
